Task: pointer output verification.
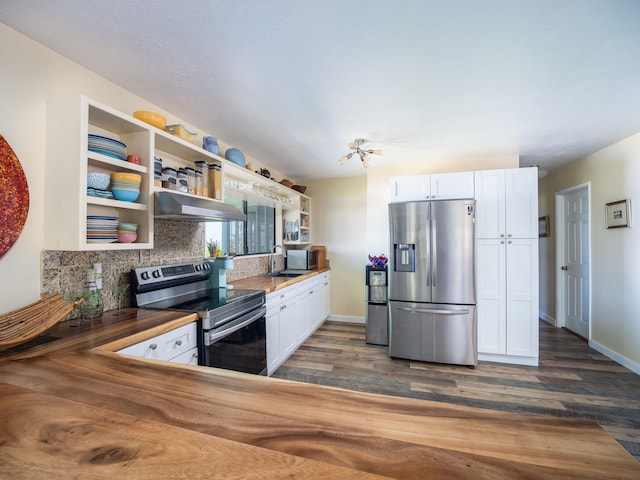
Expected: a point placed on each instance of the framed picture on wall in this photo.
(619, 214)
(543, 226)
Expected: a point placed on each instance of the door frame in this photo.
(560, 260)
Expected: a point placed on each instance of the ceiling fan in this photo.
(365, 155)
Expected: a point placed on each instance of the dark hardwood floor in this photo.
(572, 380)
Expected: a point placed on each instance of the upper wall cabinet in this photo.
(441, 186)
(507, 203)
(78, 218)
(68, 202)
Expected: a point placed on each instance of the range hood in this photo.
(173, 206)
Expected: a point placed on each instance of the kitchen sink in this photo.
(288, 273)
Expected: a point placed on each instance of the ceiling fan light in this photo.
(377, 152)
(365, 164)
(342, 160)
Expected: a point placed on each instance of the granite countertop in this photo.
(71, 408)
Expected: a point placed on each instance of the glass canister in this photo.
(215, 182)
(191, 180)
(202, 168)
(199, 187)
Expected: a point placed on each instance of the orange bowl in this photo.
(126, 177)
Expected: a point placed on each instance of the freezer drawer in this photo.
(433, 332)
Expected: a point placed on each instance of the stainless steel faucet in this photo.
(272, 261)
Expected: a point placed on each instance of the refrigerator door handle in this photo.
(434, 256)
(435, 310)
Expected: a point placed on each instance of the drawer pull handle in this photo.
(178, 342)
(153, 346)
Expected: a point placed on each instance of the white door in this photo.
(575, 261)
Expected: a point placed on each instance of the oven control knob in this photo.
(198, 267)
(205, 266)
(156, 274)
(144, 275)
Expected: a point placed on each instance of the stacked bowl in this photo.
(125, 186)
(127, 232)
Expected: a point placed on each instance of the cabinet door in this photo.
(522, 297)
(289, 328)
(307, 311)
(178, 341)
(490, 204)
(404, 189)
(324, 298)
(450, 186)
(491, 294)
(274, 352)
(521, 200)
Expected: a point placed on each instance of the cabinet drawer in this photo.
(190, 357)
(274, 299)
(145, 349)
(178, 341)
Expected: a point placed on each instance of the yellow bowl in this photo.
(182, 132)
(151, 118)
(126, 177)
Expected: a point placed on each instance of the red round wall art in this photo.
(14, 197)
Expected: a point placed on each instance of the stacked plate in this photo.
(96, 192)
(107, 146)
(102, 228)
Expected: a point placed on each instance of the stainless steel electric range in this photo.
(231, 322)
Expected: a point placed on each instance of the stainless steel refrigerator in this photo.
(432, 312)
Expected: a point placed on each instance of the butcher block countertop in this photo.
(80, 411)
(271, 284)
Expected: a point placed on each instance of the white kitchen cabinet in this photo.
(440, 186)
(507, 265)
(507, 203)
(177, 346)
(68, 161)
(293, 314)
(282, 333)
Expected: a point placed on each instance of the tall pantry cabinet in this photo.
(507, 265)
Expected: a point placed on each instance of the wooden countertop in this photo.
(271, 284)
(81, 412)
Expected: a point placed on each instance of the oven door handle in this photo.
(212, 337)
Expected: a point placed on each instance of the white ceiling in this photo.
(291, 82)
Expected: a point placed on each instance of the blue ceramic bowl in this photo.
(236, 156)
(97, 180)
(125, 195)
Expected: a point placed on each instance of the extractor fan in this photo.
(365, 155)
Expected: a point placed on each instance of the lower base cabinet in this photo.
(176, 346)
(293, 314)
(507, 300)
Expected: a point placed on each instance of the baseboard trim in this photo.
(491, 357)
(345, 319)
(547, 318)
(616, 357)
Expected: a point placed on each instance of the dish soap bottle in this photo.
(93, 304)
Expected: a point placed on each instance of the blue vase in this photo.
(210, 144)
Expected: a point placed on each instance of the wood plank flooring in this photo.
(571, 381)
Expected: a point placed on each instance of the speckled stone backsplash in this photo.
(65, 272)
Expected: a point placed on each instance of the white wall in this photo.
(339, 222)
(613, 174)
